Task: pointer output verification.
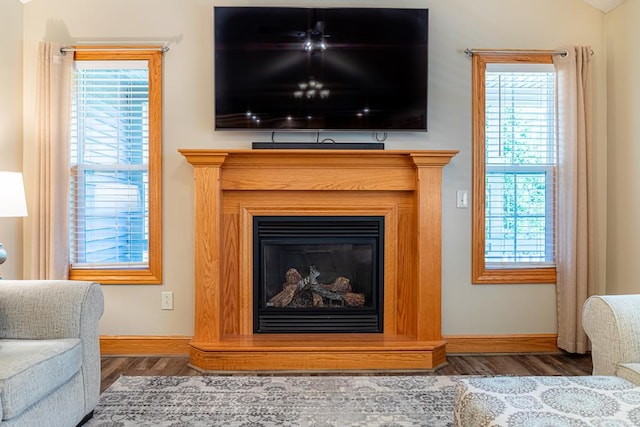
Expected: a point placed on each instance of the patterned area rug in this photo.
(265, 401)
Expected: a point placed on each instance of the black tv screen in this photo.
(343, 69)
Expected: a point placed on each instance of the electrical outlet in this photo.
(166, 302)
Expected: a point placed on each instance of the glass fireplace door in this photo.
(318, 274)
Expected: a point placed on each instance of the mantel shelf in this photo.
(204, 156)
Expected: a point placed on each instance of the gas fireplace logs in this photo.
(303, 292)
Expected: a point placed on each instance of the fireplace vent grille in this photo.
(299, 226)
(337, 323)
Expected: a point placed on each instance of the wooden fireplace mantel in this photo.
(232, 186)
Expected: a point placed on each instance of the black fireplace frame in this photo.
(329, 230)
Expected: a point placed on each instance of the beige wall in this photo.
(11, 126)
(188, 109)
(623, 65)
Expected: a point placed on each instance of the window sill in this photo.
(514, 276)
(117, 277)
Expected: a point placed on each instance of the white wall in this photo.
(11, 126)
(623, 67)
(188, 109)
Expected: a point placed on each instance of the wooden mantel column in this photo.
(429, 255)
(208, 220)
(231, 186)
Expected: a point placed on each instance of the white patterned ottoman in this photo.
(546, 401)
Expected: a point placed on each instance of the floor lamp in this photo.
(12, 200)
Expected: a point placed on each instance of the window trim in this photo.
(152, 274)
(480, 274)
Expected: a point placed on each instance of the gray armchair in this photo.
(612, 323)
(49, 352)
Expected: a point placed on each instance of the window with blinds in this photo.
(115, 202)
(520, 161)
(109, 186)
(110, 159)
(514, 167)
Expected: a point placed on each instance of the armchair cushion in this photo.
(630, 372)
(31, 369)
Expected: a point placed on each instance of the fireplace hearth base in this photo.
(231, 187)
(317, 352)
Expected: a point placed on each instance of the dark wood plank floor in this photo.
(529, 364)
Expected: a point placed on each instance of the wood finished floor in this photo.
(525, 365)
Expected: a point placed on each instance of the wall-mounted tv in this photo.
(311, 69)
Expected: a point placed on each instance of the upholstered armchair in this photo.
(612, 323)
(49, 352)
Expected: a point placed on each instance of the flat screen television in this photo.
(312, 69)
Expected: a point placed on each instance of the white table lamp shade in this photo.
(12, 199)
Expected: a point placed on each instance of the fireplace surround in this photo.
(232, 187)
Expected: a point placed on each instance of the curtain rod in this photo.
(65, 49)
(470, 52)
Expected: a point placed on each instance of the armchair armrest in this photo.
(612, 323)
(49, 309)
